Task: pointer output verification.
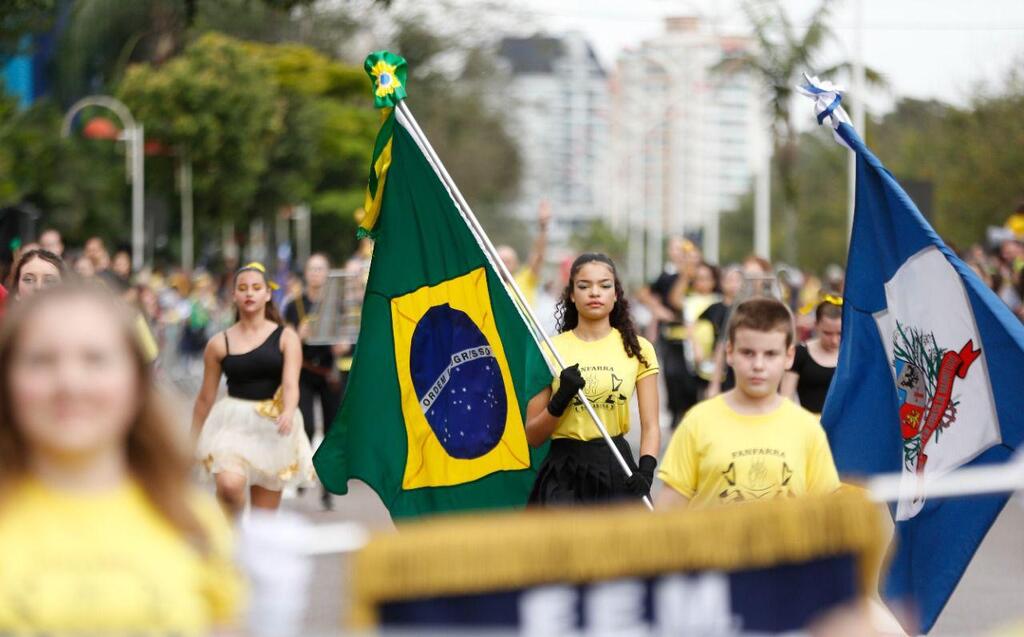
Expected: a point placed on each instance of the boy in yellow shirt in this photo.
(749, 443)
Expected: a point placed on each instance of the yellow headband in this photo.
(256, 265)
(831, 299)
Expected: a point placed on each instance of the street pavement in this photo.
(989, 598)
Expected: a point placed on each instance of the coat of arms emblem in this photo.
(925, 375)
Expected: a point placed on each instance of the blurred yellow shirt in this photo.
(718, 456)
(611, 377)
(109, 564)
(527, 282)
(145, 335)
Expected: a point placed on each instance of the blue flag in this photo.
(928, 379)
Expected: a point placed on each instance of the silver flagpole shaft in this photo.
(525, 311)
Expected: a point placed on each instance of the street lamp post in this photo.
(187, 215)
(134, 139)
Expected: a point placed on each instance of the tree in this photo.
(324, 155)
(19, 18)
(970, 157)
(821, 191)
(78, 184)
(455, 94)
(781, 56)
(220, 105)
(598, 236)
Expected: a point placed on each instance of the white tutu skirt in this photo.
(237, 438)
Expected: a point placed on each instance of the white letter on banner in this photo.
(548, 610)
(698, 605)
(615, 608)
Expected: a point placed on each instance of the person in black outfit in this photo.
(815, 361)
(718, 314)
(320, 377)
(663, 297)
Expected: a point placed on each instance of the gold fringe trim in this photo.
(501, 552)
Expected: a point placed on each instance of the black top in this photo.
(718, 314)
(814, 380)
(255, 375)
(317, 355)
(661, 288)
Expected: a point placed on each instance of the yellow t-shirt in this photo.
(718, 455)
(109, 564)
(611, 377)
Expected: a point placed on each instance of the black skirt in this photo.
(582, 472)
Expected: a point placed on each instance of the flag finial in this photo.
(828, 100)
(388, 73)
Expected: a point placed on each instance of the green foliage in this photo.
(334, 222)
(19, 18)
(820, 167)
(598, 236)
(276, 21)
(970, 156)
(267, 122)
(91, 194)
(219, 105)
(781, 55)
(460, 115)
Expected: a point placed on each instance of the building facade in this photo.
(558, 113)
(687, 140)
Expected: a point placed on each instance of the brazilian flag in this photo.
(435, 403)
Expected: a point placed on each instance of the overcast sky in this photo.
(926, 48)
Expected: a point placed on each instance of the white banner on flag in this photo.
(947, 415)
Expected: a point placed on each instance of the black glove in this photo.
(639, 484)
(569, 382)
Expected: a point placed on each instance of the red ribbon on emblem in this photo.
(953, 365)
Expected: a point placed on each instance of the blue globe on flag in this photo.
(458, 382)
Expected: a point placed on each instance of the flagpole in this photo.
(525, 311)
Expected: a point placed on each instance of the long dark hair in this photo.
(270, 309)
(42, 255)
(568, 316)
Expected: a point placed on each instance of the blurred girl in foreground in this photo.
(100, 531)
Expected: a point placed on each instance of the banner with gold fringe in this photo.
(672, 570)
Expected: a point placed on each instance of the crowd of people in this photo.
(743, 355)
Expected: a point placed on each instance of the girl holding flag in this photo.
(608, 361)
(254, 436)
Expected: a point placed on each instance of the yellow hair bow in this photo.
(831, 299)
(259, 267)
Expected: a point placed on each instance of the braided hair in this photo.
(568, 317)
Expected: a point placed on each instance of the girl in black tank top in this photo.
(809, 379)
(254, 436)
(255, 375)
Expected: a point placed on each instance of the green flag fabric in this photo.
(434, 407)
